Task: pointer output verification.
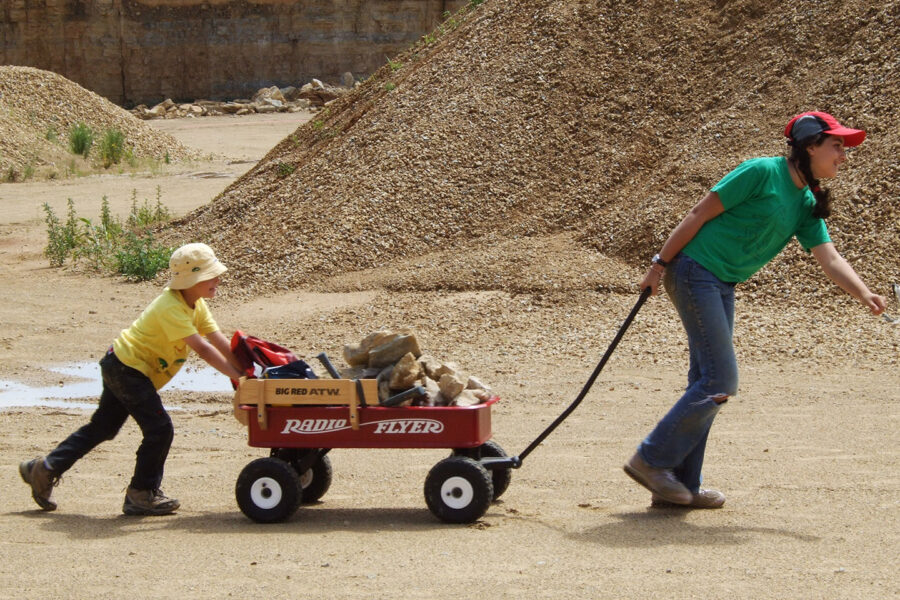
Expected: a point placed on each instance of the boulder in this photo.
(156, 112)
(290, 93)
(475, 384)
(466, 398)
(406, 373)
(391, 351)
(448, 368)
(451, 386)
(358, 354)
(429, 365)
(231, 107)
(269, 93)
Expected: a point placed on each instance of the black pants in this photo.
(126, 391)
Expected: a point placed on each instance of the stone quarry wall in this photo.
(142, 51)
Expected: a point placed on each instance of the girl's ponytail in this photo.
(800, 157)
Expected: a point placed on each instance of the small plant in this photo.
(390, 86)
(52, 134)
(112, 147)
(98, 242)
(476, 2)
(140, 258)
(108, 245)
(146, 215)
(285, 169)
(70, 229)
(12, 175)
(395, 65)
(106, 219)
(167, 159)
(450, 20)
(57, 249)
(80, 139)
(28, 172)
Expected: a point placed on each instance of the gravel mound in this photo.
(546, 147)
(37, 106)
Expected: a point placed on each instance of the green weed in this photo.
(109, 245)
(112, 147)
(285, 169)
(81, 138)
(140, 258)
(57, 250)
(146, 215)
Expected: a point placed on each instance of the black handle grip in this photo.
(323, 358)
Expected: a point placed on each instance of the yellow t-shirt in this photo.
(154, 344)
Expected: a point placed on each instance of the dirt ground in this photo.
(806, 453)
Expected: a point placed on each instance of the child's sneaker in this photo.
(148, 502)
(42, 481)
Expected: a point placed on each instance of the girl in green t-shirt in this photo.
(739, 226)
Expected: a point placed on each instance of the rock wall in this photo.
(142, 51)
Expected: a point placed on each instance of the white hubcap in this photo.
(265, 492)
(457, 492)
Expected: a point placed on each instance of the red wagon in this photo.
(301, 420)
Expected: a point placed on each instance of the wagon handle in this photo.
(516, 461)
(398, 398)
(323, 358)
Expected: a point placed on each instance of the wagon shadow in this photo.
(314, 520)
(655, 527)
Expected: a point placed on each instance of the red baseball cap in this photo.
(808, 124)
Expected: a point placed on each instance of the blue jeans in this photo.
(126, 391)
(706, 307)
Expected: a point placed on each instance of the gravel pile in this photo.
(38, 109)
(545, 147)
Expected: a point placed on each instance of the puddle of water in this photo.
(14, 394)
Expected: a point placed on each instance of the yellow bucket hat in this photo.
(193, 263)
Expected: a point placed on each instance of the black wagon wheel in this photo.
(458, 490)
(314, 479)
(490, 449)
(268, 490)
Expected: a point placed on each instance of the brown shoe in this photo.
(42, 481)
(148, 502)
(661, 482)
(702, 499)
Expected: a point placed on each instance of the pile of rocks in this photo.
(537, 117)
(397, 363)
(38, 110)
(310, 96)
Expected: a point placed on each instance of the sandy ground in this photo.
(807, 453)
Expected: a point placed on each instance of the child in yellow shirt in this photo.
(141, 360)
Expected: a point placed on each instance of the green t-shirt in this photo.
(764, 209)
(154, 344)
